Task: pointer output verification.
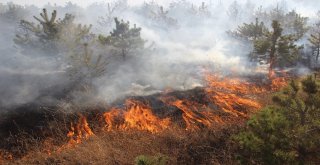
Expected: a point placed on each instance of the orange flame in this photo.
(233, 96)
(194, 115)
(138, 116)
(278, 82)
(79, 131)
(229, 94)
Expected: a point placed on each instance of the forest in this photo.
(156, 83)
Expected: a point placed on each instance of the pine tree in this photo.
(314, 40)
(50, 33)
(234, 11)
(12, 12)
(48, 28)
(113, 9)
(295, 24)
(85, 66)
(123, 39)
(286, 133)
(158, 15)
(63, 36)
(41, 35)
(292, 22)
(250, 32)
(280, 50)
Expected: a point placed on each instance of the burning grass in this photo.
(162, 123)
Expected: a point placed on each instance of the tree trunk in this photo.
(272, 59)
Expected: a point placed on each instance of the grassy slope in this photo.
(208, 146)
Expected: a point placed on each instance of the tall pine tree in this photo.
(124, 40)
(278, 49)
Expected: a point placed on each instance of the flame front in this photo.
(222, 100)
(136, 116)
(231, 94)
(79, 131)
(195, 115)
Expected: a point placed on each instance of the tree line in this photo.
(286, 42)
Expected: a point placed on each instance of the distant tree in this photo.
(124, 40)
(287, 133)
(314, 40)
(249, 7)
(276, 48)
(270, 46)
(12, 12)
(275, 45)
(49, 33)
(85, 66)
(113, 9)
(294, 23)
(40, 35)
(182, 6)
(64, 37)
(250, 32)
(202, 10)
(234, 11)
(158, 16)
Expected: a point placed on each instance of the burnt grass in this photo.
(34, 133)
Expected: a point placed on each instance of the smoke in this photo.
(190, 41)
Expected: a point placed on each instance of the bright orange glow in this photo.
(194, 114)
(136, 116)
(223, 100)
(79, 131)
(277, 82)
(230, 94)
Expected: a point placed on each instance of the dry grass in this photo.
(122, 147)
(39, 137)
(30, 145)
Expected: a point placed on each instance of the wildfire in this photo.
(231, 94)
(137, 116)
(222, 98)
(194, 114)
(278, 82)
(79, 131)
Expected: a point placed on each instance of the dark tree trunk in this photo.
(272, 58)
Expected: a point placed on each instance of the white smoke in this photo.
(183, 53)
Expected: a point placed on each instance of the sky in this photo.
(303, 6)
(82, 3)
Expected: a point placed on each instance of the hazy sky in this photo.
(306, 7)
(62, 2)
